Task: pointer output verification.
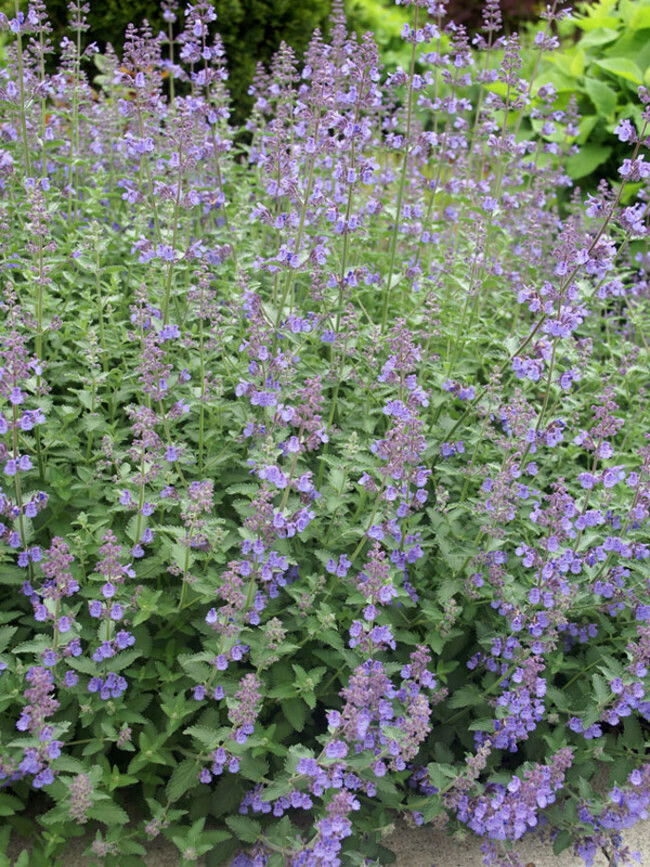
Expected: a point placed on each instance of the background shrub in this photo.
(605, 57)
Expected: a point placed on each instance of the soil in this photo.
(414, 847)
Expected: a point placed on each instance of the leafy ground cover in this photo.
(326, 478)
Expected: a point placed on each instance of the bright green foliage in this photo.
(605, 57)
(385, 21)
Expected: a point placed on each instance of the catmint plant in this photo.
(325, 483)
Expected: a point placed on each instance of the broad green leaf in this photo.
(9, 804)
(562, 842)
(207, 736)
(440, 774)
(482, 725)
(602, 95)
(185, 776)
(108, 813)
(578, 63)
(465, 696)
(295, 711)
(627, 10)
(587, 161)
(11, 575)
(37, 646)
(599, 36)
(622, 67)
(6, 634)
(600, 688)
(245, 830)
(283, 690)
(640, 18)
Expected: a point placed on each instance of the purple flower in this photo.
(612, 476)
(124, 639)
(336, 750)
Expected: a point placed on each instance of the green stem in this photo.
(402, 182)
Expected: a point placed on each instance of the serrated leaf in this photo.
(9, 805)
(465, 696)
(6, 634)
(172, 530)
(69, 765)
(136, 523)
(600, 688)
(207, 736)
(108, 813)
(284, 690)
(245, 830)
(12, 576)
(82, 664)
(37, 646)
(440, 773)
(247, 488)
(122, 660)
(295, 711)
(60, 813)
(185, 776)
(634, 737)
(599, 36)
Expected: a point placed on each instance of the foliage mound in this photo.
(605, 56)
(325, 475)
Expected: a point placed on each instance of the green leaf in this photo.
(562, 842)
(185, 776)
(578, 62)
(206, 735)
(69, 764)
(440, 774)
(245, 830)
(37, 646)
(431, 808)
(284, 690)
(587, 161)
(622, 67)
(9, 804)
(23, 859)
(6, 634)
(11, 575)
(57, 815)
(640, 18)
(481, 725)
(85, 666)
(296, 712)
(465, 696)
(599, 36)
(122, 660)
(634, 737)
(108, 813)
(602, 95)
(253, 768)
(600, 688)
